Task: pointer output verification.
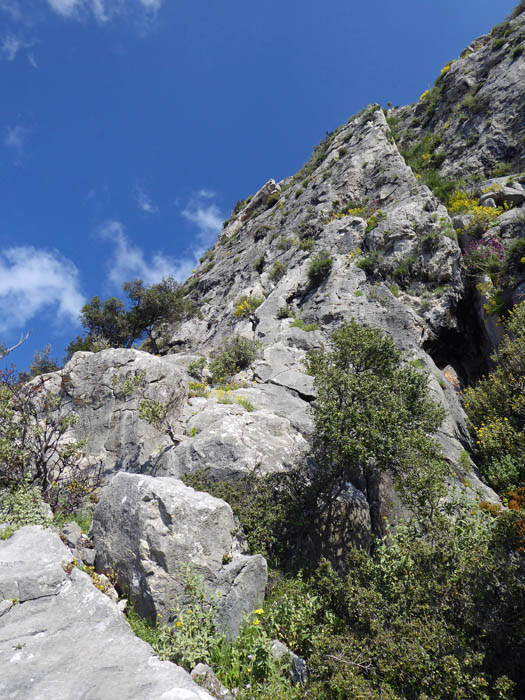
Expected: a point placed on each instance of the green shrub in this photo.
(306, 244)
(258, 265)
(35, 445)
(247, 405)
(501, 169)
(285, 311)
(403, 268)
(196, 367)
(197, 389)
(246, 305)
(235, 354)
(22, 505)
(495, 407)
(366, 400)
(120, 327)
(369, 263)
(319, 268)
(374, 220)
(277, 272)
(515, 259)
(284, 243)
(299, 323)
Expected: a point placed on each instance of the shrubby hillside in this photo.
(310, 474)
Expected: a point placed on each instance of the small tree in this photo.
(372, 415)
(115, 325)
(36, 447)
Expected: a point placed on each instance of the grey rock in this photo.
(298, 667)
(107, 408)
(504, 195)
(518, 295)
(229, 441)
(65, 640)
(32, 564)
(70, 534)
(206, 678)
(147, 529)
(88, 556)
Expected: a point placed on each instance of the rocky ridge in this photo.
(396, 263)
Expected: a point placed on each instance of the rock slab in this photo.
(62, 639)
(149, 529)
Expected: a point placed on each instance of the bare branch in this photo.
(5, 351)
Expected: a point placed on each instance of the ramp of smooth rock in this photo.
(67, 640)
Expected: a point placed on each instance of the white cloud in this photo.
(16, 137)
(103, 10)
(144, 202)
(11, 8)
(33, 280)
(129, 262)
(206, 216)
(12, 44)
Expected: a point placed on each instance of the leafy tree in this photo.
(436, 615)
(42, 363)
(36, 449)
(372, 415)
(496, 409)
(109, 323)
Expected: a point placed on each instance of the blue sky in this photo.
(129, 128)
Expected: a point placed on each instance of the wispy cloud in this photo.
(144, 201)
(103, 10)
(12, 9)
(203, 212)
(34, 280)
(130, 262)
(12, 44)
(16, 137)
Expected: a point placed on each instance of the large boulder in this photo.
(230, 441)
(62, 639)
(149, 529)
(105, 390)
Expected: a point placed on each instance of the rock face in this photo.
(396, 265)
(62, 639)
(105, 390)
(148, 529)
(230, 441)
(395, 261)
(476, 107)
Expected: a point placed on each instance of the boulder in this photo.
(105, 390)
(148, 530)
(62, 639)
(231, 441)
(298, 667)
(206, 678)
(504, 195)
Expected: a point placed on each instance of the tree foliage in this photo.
(37, 448)
(373, 415)
(496, 409)
(111, 323)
